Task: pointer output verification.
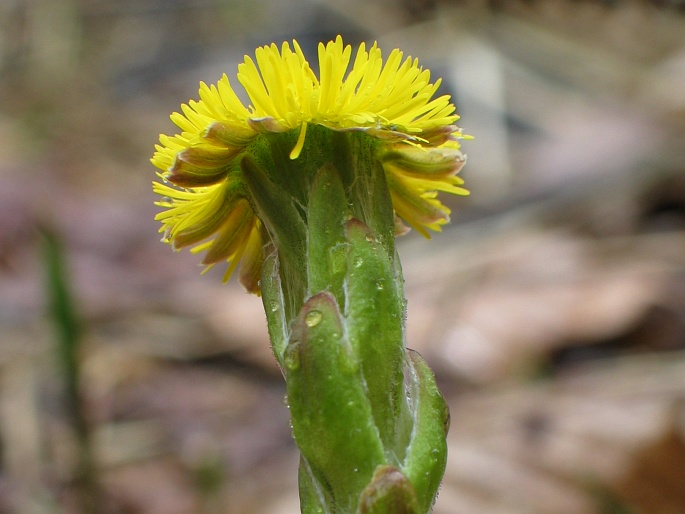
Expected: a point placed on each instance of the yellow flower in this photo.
(205, 197)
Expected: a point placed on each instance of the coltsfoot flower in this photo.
(412, 135)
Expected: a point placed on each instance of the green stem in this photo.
(68, 332)
(366, 415)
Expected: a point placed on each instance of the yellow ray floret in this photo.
(391, 100)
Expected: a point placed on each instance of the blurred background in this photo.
(552, 308)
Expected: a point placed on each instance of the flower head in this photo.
(207, 203)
